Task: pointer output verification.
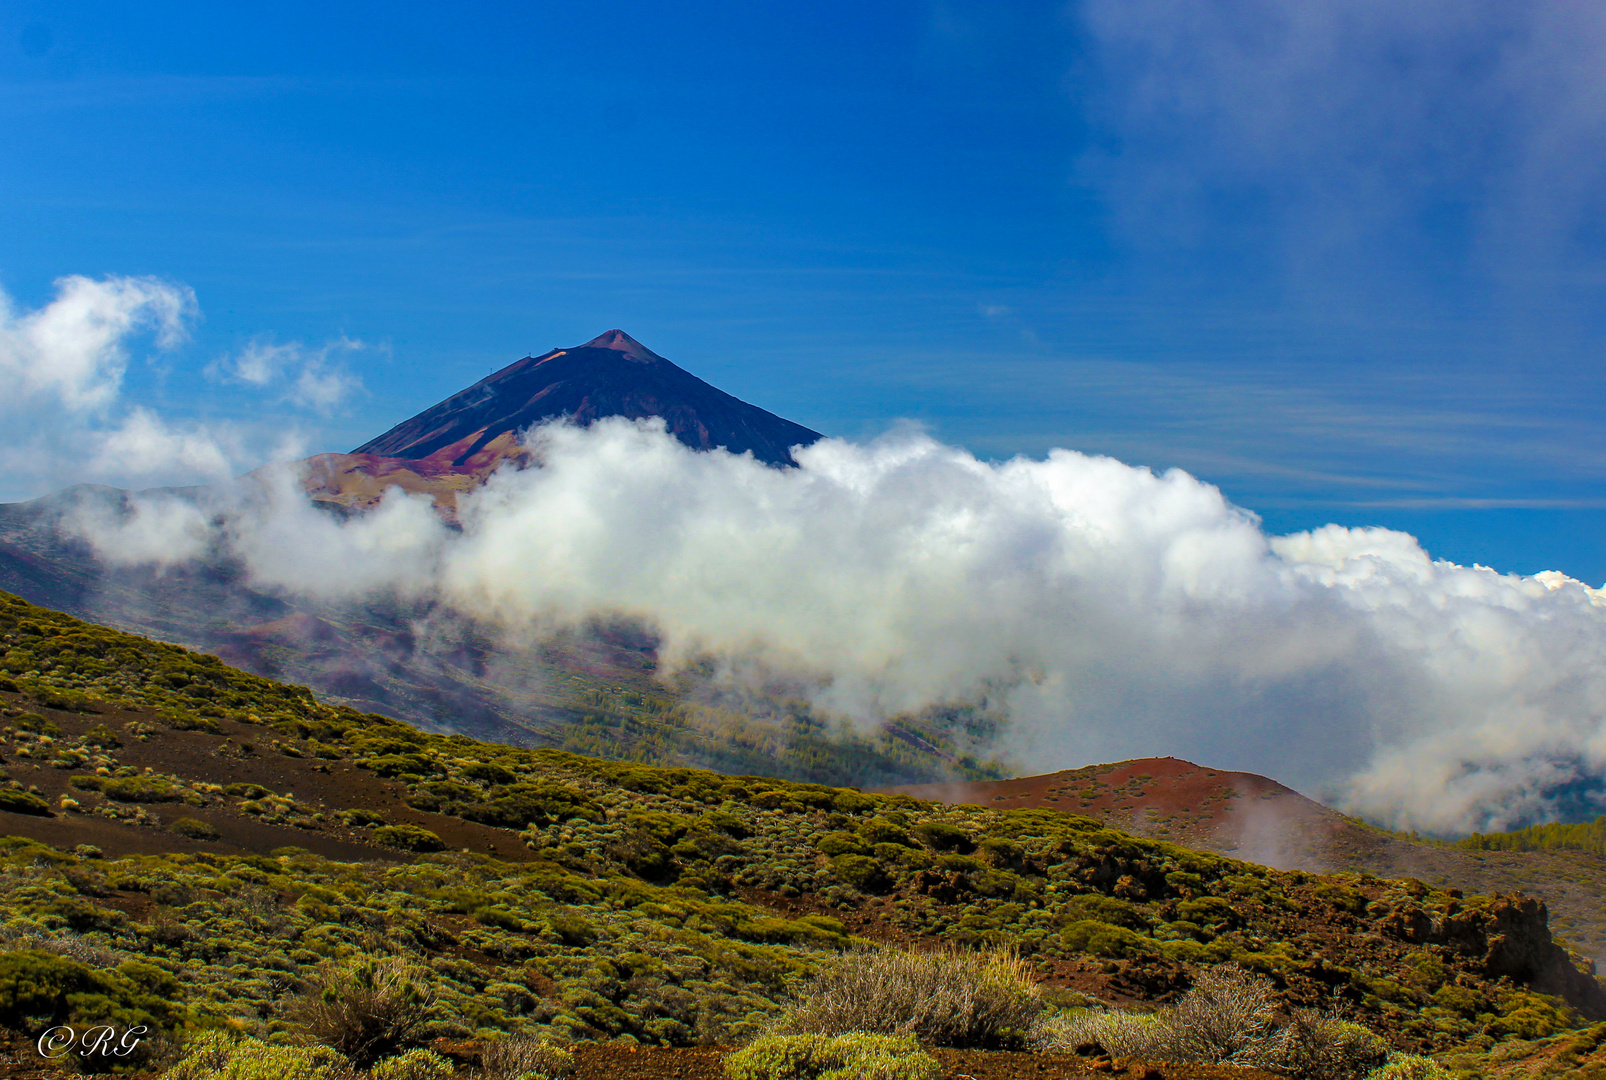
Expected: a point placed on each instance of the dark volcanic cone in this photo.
(612, 375)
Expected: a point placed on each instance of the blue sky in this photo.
(1341, 258)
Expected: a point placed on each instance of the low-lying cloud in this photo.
(1113, 612)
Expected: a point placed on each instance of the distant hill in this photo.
(1255, 818)
(1236, 813)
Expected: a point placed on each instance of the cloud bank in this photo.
(1112, 611)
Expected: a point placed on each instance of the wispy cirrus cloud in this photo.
(1445, 133)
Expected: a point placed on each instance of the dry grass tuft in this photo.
(950, 998)
(365, 1008)
(519, 1058)
(1229, 1018)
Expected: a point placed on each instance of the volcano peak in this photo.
(621, 342)
(610, 375)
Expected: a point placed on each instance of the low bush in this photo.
(981, 999)
(408, 838)
(860, 871)
(141, 789)
(17, 801)
(1104, 909)
(366, 1007)
(526, 1059)
(942, 837)
(1102, 939)
(416, 1064)
(217, 1055)
(1410, 1067)
(854, 1056)
(41, 989)
(194, 828)
(180, 720)
(832, 844)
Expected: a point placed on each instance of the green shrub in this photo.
(1104, 909)
(247, 791)
(979, 999)
(855, 1056)
(489, 771)
(32, 721)
(141, 789)
(408, 838)
(181, 720)
(102, 736)
(860, 871)
(194, 828)
(882, 831)
(218, 1055)
(942, 837)
(832, 844)
(417, 1064)
(1410, 1067)
(1206, 910)
(852, 802)
(86, 783)
(526, 1059)
(1102, 939)
(39, 989)
(17, 801)
(365, 1007)
(517, 806)
(360, 818)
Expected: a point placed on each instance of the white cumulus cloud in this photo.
(71, 353)
(1114, 612)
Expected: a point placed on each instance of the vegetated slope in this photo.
(246, 832)
(1255, 818)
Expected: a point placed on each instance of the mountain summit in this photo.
(610, 375)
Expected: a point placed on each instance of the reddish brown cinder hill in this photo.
(1234, 813)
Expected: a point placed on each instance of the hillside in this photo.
(214, 836)
(1255, 818)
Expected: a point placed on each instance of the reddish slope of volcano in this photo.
(611, 375)
(1234, 813)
